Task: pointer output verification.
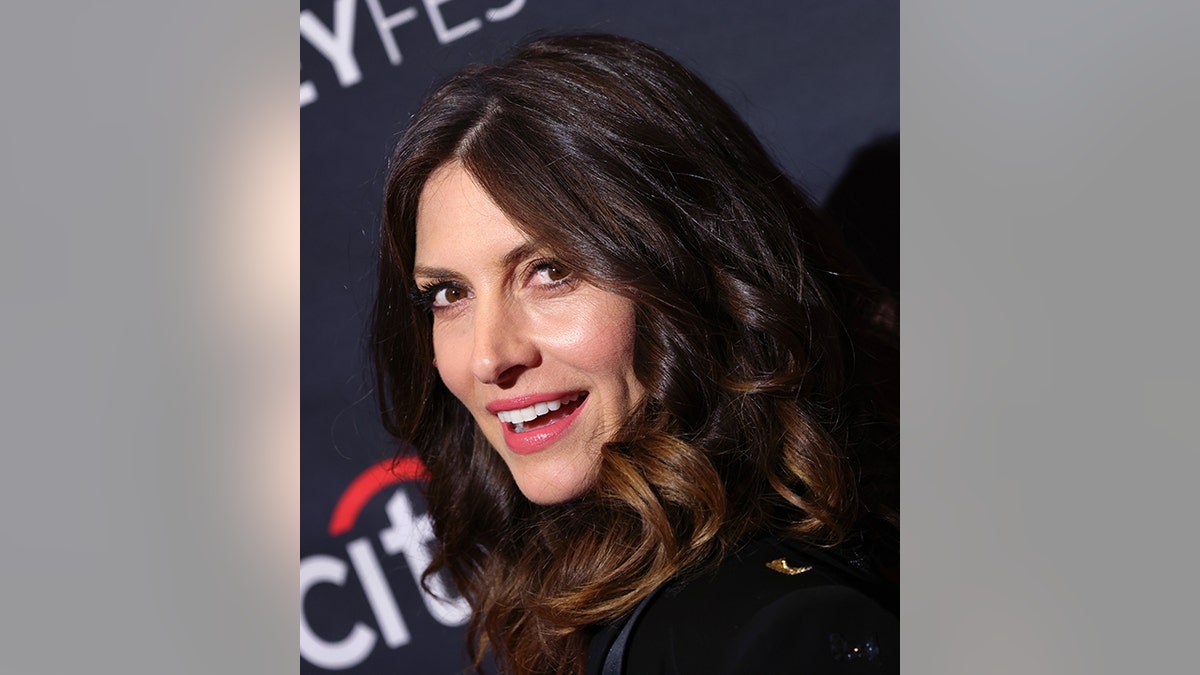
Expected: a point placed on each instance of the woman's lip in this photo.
(518, 402)
(527, 442)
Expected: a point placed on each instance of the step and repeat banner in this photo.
(819, 82)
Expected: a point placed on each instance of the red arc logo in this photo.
(367, 485)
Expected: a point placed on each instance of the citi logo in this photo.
(406, 535)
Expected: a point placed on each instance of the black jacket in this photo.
(756, 614)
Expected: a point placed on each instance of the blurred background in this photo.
(818, 81)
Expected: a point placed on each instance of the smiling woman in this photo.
(542, 360)
(656, 397)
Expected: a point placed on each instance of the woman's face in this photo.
(541, 359)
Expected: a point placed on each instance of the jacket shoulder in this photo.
(775, 606)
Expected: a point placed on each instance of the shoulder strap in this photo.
(614, 659)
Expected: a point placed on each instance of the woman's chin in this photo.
(556, 490)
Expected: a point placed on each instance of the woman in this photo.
(656, 398)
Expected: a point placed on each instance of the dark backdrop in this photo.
(817, 80)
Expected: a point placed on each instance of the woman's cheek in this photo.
(449, 359)
(599, 332)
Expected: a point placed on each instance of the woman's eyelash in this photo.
(420, 297)
(423, 295)
(545, 264)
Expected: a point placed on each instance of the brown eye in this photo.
(447, 295)
(550, 272)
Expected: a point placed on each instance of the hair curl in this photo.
(767, 355)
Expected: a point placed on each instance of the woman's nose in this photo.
(503, 346)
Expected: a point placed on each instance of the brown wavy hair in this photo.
(769, 358)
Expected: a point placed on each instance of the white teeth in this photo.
(519, 417)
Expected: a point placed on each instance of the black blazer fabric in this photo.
(774, 607)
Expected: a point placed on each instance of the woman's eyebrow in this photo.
(510, 259)
(433, 272)
(519, 253)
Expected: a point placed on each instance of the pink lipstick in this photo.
(533, 423)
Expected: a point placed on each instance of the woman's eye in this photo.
(447, 295)
(549, 273)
